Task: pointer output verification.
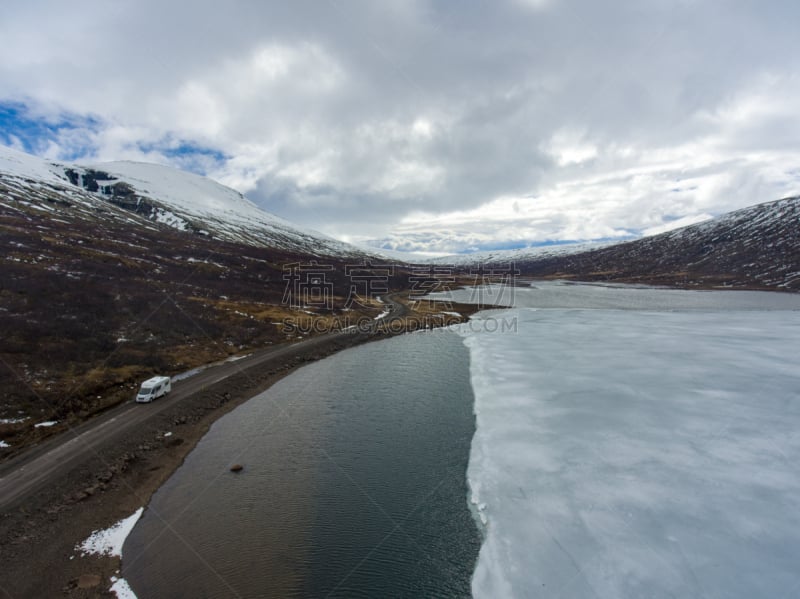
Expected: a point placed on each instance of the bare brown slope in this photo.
(756, 247)
(94, 298)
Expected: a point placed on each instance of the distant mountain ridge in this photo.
(517, 256)
(757, 247)
(754, 247)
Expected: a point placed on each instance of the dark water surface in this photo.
(354, 486)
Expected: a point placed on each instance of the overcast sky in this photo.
(422, 125)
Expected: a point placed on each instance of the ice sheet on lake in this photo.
(631, 454)
(562, 295)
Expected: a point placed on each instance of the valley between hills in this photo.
(114, 273)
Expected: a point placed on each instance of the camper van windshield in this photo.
(145, 390)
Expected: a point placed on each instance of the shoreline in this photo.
(40, 534)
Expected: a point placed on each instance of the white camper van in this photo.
(153, 388)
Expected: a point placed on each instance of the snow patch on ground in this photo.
(237, 358)
(110, 540)
(4, 444)
(189, 373)
(46, 424)
(122, 589)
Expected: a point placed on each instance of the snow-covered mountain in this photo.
(159, 194)
(515, 256)
(757, 246)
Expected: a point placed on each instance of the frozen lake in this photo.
(636, 443)
(562, 295)
(628, 442)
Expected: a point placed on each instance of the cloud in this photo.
(432, 126)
